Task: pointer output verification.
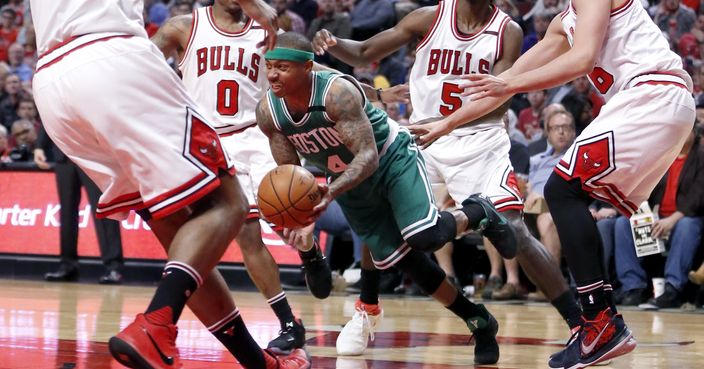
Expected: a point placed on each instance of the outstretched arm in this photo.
(344, 105)
(360, 53)
(281, 148)
(172, 36)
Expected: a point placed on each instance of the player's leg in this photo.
(611, 160)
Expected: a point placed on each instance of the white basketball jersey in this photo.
(444, 55)
(634, 46)
(225, 72)
(57, 21)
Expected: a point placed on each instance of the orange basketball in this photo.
(287, 196)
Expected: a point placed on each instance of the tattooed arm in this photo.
(344, 105)
(172, 37)
(281, 149)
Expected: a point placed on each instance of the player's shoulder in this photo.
(179, 22)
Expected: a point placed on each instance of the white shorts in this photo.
(112, 104)
(249, 151)
(625, 151)
(476, 163)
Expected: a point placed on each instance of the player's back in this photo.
(634, 46)
(57, 21)
(224, 71)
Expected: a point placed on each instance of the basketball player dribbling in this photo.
(110, 102)
(376, 175)
(618, 158)
(458, 37)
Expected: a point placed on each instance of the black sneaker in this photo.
(291, 336)
(495, 227)
(632, 297)
(669, 299)
(486, 349)
(318, 275)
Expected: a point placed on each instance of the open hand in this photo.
(301, 238)
(479, 86)
(429, 130)
(266, 16)
(323, 40)
(396, 94)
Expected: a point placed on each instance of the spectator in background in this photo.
(158, 13)
(24, 137)
(8, 30)
(69, 180)
(541, 145)
(541, 21)
(370, 17)
(4, 146)
(680, 196)
(181, 7)
(674, 19)
(336, 23)
(287, 19)
(306, 9)
(561, 132)
(581, 109)
(528, 118)
(344, 6)
(26, 109)
(15, 55)
(10, 100)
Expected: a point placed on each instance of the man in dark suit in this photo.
(69, 179)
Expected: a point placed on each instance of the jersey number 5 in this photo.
(601, 79)
(228, 96)
(450, 98)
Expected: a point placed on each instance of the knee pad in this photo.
(433, 238)
(425, 273)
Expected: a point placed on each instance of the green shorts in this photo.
(393, 204)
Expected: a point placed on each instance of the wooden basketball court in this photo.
(66, 326)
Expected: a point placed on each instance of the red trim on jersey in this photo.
(614, 12)
(472, 36)
(191, 36)
(611, 196)
(501, 209)
(436, 22)
(621, 8)
(211, 20)
(237, 131)
(661, 83)
(100, 211)
(58, 58)
(500, 39)
(188, 200)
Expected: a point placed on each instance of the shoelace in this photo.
(367, 322)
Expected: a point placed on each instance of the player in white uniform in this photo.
(461, 37)
(618, 158)
(110, 102)
(223, 68)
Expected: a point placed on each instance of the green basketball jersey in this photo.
(315, 136)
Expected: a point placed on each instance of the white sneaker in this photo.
(354, 337)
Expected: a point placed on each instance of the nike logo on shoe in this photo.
(168, 360)
(586, 350)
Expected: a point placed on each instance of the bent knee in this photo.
(426, 241)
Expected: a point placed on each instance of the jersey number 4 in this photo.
(601, 79)
(228, 97)
(451, 100)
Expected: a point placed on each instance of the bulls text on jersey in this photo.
(215, 58)
(448, 61)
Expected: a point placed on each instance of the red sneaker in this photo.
(297, 359)
(145, 345)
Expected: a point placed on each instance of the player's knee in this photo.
(426, 241)
(250, 236)
(433, 238)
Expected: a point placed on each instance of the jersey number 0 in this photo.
(228, 97)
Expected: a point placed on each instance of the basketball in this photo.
(287, 196)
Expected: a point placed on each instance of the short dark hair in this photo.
(294, 40)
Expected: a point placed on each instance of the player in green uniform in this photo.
(377, 175)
